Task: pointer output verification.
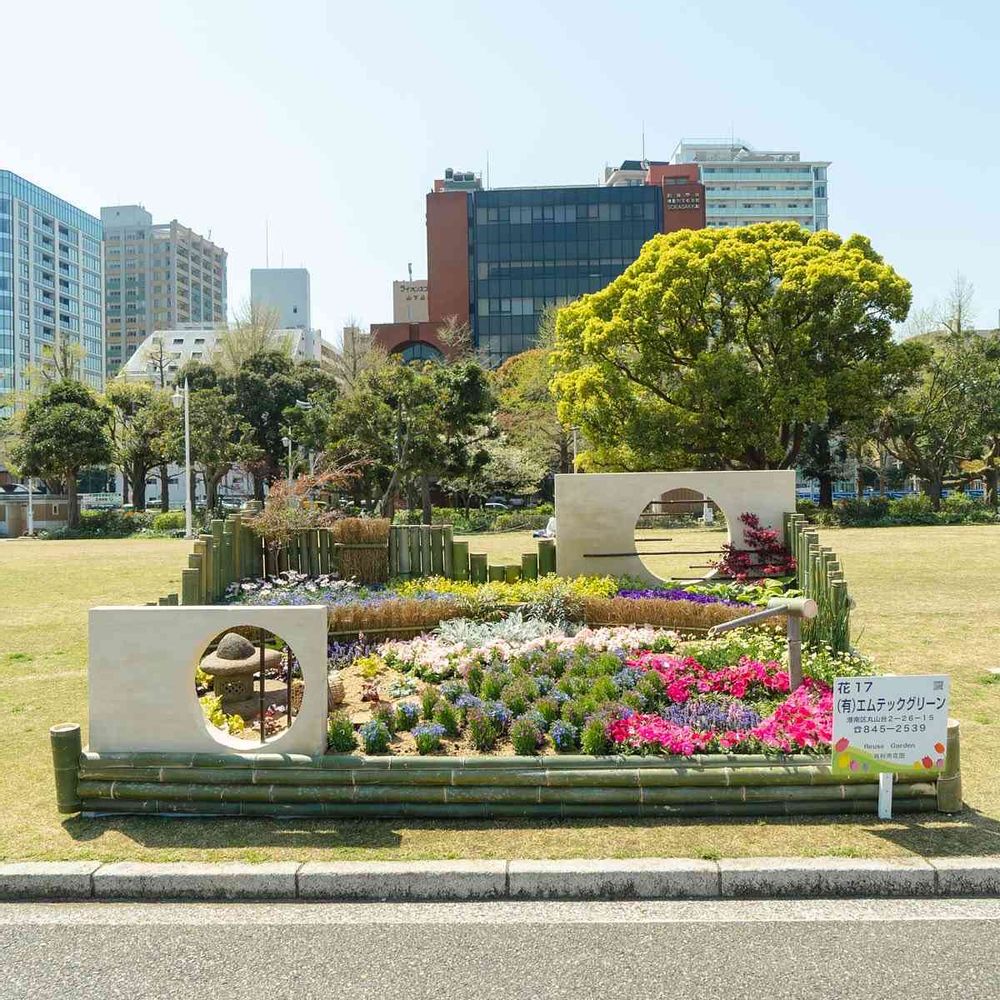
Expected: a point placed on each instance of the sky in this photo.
(324, 124)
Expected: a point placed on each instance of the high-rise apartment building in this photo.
(157, 277)
(286, 291)
(51, 283)
(744, 185)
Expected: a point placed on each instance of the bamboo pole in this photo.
(529, 566)
(512, 572)
(949, 784)
(190, 586)
(425, 550)
(447, 552)
(416, 569)
(217, 571)
(208, 567)
(496, 574)
(546, 556)
(460, 560)
(66, 743)
(477, 567)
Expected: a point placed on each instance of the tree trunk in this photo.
(139, 488)
(991, 476)
(73, 506)
(825, 491)
(425, 499)
(932, 487)
(164, 489)
(258, 486)
(212, 490)
(859, 478)
(124, 486)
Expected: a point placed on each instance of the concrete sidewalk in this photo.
(612, 879)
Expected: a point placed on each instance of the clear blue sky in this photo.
(332, 120)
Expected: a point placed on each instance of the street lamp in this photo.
(287, 442)
(183, 398)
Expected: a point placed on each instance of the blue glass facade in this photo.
(51, 282)
(530, 248)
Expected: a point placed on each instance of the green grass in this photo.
(926, 603)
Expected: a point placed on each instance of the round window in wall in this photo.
(249, 684)
(679, 536)
(418, 350)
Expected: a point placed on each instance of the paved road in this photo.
(876, 950)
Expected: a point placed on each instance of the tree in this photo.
(718, 348)
(220, 438)
(142, 429)
(527, 409)
(507, 469)
(412, 424)
(254, 331)
(357, 354)
(939, 421)
(62, 430)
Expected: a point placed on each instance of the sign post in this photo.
(890, 726)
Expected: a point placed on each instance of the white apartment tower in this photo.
(744, 185)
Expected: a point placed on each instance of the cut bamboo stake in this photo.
(66, 743)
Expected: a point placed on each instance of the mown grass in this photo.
(926, 602)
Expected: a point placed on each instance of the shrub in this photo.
(652, 691)
(474, 678)
(407, 714)
(519, 694)
(482, 731)
(375, 737)
(452, 690)
(575, 712)
(565, 736)
(499, 714)
(492, 685)
(594, 738)
(765, 553)
(548, 709)
(427, 736)
(428, 699)
(385, 713)
(340, 736)
(171, 521)
(446, 716)
(913, 509)
(526, 736)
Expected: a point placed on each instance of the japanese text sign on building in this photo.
(897, 724)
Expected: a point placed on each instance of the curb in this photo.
(420, 881)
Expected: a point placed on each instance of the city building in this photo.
(157, 277)
(498, 258)
(286, 291)
(164, 352)
(744, 185)
(51, 284)
(409, 301)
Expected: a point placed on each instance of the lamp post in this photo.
(287, 442)
(31, 505)
(180, 399)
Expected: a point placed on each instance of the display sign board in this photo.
(894, 724)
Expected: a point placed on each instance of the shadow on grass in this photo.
(967, 833)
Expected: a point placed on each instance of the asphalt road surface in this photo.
(876, 950)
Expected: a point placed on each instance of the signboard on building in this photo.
(890, 724)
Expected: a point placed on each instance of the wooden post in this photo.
(227, 556)
(529, 566)
(460, 560)
(546, 556)
(437, 550)
(238, 554)
(208, 567)
(448, 552)
(477, 567)
(217, 586)
(199, 550)
(190, 585)
(496, 574)
(312, 544)
(194, 565)
(414, 547)
(512, 572)
(425, 550)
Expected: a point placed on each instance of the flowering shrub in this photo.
(565, 736)
(427, 736)
(676, 594)
(375, 737)
(765, 554)
(801, 723)
(685, 676)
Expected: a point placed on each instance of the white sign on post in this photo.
(895, 724)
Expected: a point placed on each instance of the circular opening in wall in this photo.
(249, 684)
(680, 534)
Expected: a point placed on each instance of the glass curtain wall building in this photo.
(534, 248)
(51, 283)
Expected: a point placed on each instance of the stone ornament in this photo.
(232, 666)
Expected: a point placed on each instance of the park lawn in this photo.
(926, 603)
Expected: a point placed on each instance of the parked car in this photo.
(495, 505)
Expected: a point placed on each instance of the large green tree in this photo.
(62, 430)
(527, 410)
(142, 429)
(413, 424)
(720, 347)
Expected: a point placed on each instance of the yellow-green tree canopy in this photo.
(718, 347)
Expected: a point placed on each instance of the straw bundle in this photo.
(684, 616)
(363, 547)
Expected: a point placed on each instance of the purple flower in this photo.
(676, 594)
(711, 715)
